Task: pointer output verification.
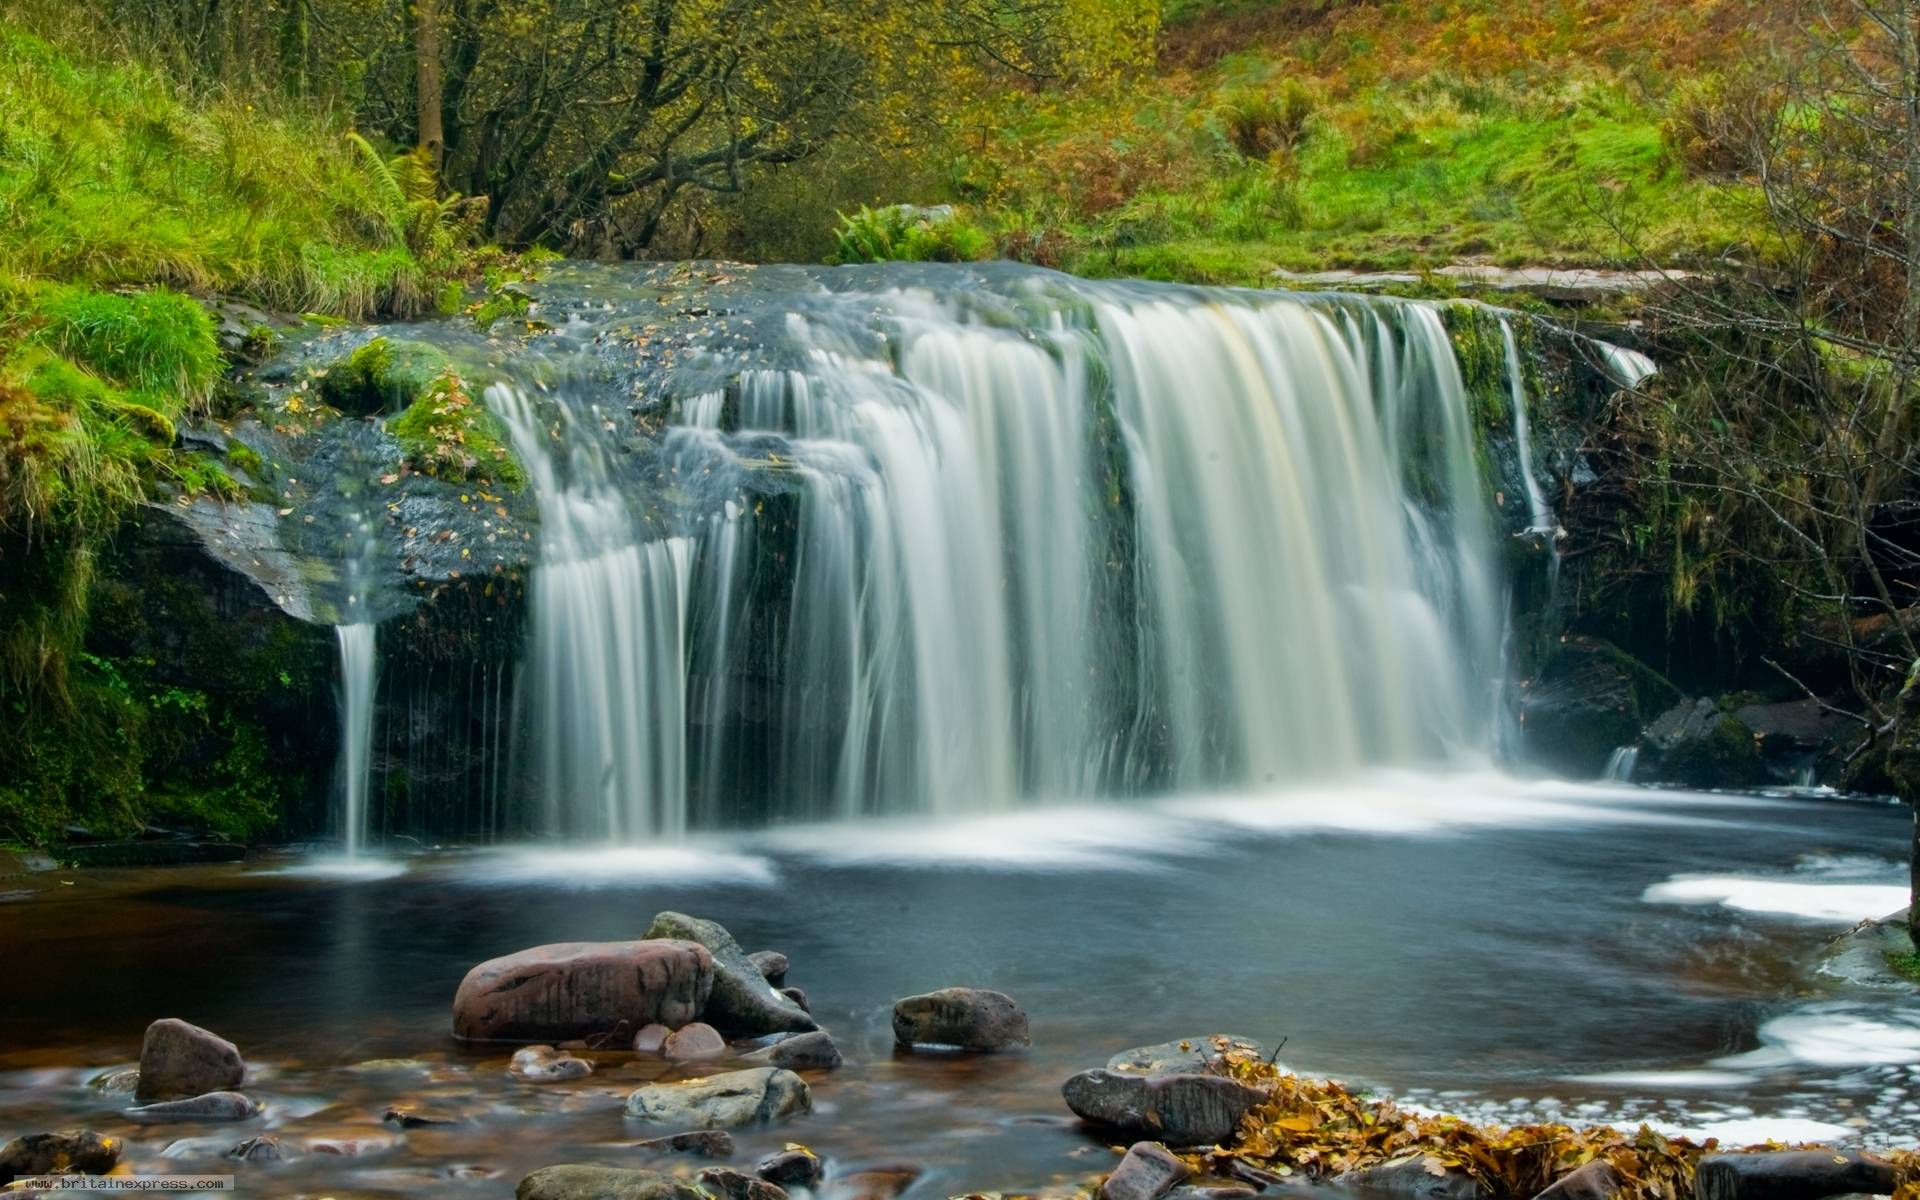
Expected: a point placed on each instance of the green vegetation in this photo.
(380, 375)
(903, 233)
(450, 435)
(1907, 966)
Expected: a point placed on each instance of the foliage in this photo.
(448, 434)
(1319, 1129)
(1907, 966)
(904, 233)
(157, 343)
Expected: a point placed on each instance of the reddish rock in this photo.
(1148, 1172)
(579, 989)
(691, 1043)
(652, 1039)
(178, 1060)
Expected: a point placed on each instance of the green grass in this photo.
(448, 434)
(1907, 966)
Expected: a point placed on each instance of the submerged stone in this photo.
(753, 1097)
(214, 1106)
(586, 1181)
(67, 1152)
(800, 1052)
(1147, 1172)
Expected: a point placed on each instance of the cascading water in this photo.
(1621, 764)
(972, 550)
(1538, 510)
(357, 667)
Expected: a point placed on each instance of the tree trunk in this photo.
(427, 86)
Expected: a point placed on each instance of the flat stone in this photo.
(793, 1167)
(579, 989)
(873, 1183)
(544, 1064)
(1596, 1180)
(753, 1097)
(586, 1181)
(1416, 1175)
(1184, 1057)
(67, 1152)
(968, 1018)
(801, 1052)
(772, 965)
(1180, 1110)
(353, 1147)
(743, 1003)
(701, 1143)
(124, 1082)
(214, 1106)
(405, 1116)
(738, 1185)
(691, 1043)
(1792, 1175)
(1147, 1172)
(178, 1060)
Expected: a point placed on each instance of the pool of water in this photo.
(1504, 949)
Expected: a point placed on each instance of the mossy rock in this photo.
(1589, 698)
(382, 375)
(448, 434)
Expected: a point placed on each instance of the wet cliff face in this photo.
(421, 515)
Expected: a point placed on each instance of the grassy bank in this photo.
(123, 203)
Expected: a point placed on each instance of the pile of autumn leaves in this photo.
(1319, 1129)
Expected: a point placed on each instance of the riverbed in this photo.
(1504, 949)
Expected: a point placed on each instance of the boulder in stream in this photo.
(1696, 744)
(969, 1018)
(1596, 1180)
(588, 1181)
(772, 966)
(544, 1064)
(1180, 1110)
(179, 1060)
(753, 1097)
(742, 1003)
(1147, 1172)
(800, 1052)
(1184, 1057)
(738, 1185)
(691, 1043)
(1418, 1176)
(796, 1166)
(701, 1143)
(574, 990)
(1792, 1175)
(67, 1152)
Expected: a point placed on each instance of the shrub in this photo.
(1714, 125)
(1261, 124)
(908, 233)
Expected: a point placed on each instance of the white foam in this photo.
(1752, 1131)
(1840, 902)
(617, 866)
(1680, 1080)
(1113, 838)
(336, 867)
(1830, 1038)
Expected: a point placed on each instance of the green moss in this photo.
(381, 375)
(905, 233)
(1907, 966)
(449, 435)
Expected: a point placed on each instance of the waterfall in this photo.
(944, 552)
(1540, 513)
(1620, 764)
(357, 676)
(609, 641)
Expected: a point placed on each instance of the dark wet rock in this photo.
(652, 1039)
(405, 1116)
(873, 1183)
(796, 1167)
(1421, 1176)
(1859, 955)
(1793, 728)
(381, 375)
(1792, 1175)
(771, 964)
(67, 1152)
(801, 1052)
(544, 1064)
(738, 1185)
(1218, 1191)
(179, 1060)
(1588, 699)
(798, 997)
(970, 1018)
(752, 1097)
(172, 853)
(577, 989)
(1596, 1180)
(585, 1181)
(1147, 1172)
(124, 1082)
(1184, 1057)
(1180, 1110)
(743, 1003)
(701, 1143)
(1695, 744)
(214, 1106)
(691, 1043)
(265, 1148)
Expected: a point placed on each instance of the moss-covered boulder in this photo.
(382, 375)
(447, 433)
(1697, 744)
